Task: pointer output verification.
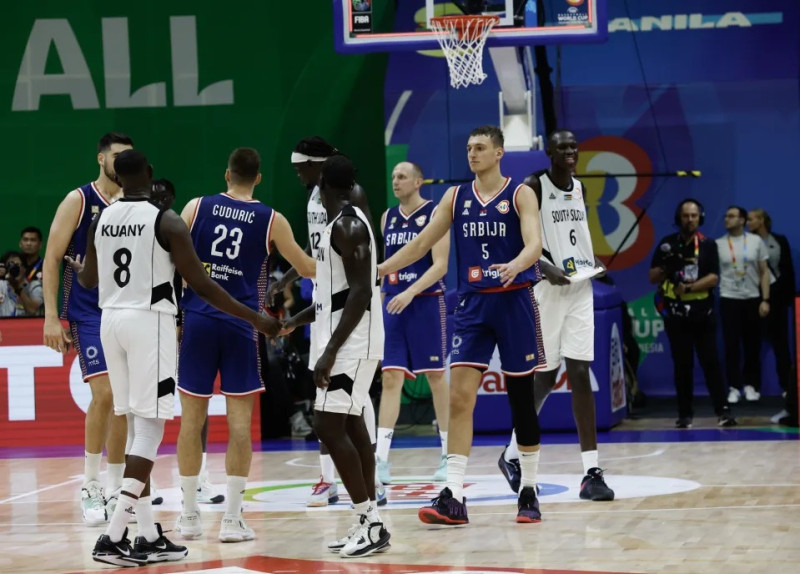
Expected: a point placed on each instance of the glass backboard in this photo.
(368, 26)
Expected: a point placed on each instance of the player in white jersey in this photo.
(307, 159)
(566, 306)
(346, 346)
(132, 254)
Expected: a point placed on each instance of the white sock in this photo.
(529, 465)
(189, 490)
(590, 460)
(203, 465)
(119, 520)
(91, 466)
(114, 474)
(384, 442)
(372, 513)
(327, 468)
(443, 438)
(456, 469)
(361, 508)
(144, 519)
(512, 451)
(236, 486)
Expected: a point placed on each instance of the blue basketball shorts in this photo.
(86, 339)
(416, 339)
(508, 320)
(210, 345)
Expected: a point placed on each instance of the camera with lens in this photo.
(12, 270)
(672, 263)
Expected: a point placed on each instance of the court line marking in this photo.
(395, 514)
(300, 461)
(37, 491)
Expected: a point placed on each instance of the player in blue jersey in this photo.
(233, 235)
(414, 315)
(163, 195)
(497, 243)
(68, 236)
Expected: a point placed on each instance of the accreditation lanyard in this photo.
(696, 248)
(736, 271)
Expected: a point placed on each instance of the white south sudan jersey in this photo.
(566, 241)
(135, 270)
(317, 220)
(332, 289)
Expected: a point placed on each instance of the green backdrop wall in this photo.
(188, 81)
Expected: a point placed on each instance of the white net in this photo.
(462, 39)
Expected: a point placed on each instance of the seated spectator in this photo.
(26, 295)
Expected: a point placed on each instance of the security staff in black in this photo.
(685, 267)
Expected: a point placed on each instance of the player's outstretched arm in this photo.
(304, 317)
(414, 250)
(438, 269)
(281, 235)
(351, 237)
(86, 270)
(61, 230)
(175, 234)
(530, 228)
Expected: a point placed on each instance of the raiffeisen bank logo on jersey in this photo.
(695, 21)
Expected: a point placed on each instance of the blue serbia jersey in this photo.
(79, 303)
(232, 237)
(485, 234)
(398, 230)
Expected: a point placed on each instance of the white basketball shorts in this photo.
(348, 391)
(142, 356)
(566, 315)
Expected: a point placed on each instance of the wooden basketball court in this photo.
(698, 501)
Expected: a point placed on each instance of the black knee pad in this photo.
(523, 409)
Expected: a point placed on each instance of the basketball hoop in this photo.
(462, 39)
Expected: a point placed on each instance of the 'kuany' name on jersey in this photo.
(234, 213)
(132, 230)
(564, 215)
(484, 229)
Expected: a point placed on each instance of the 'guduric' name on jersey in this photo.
(133, 230)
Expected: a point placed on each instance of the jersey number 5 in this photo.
(222, 233)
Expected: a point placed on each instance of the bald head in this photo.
(406, 180)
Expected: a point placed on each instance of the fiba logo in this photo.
(502, 207)
(616, 198)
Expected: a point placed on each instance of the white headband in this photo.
(303, 158)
